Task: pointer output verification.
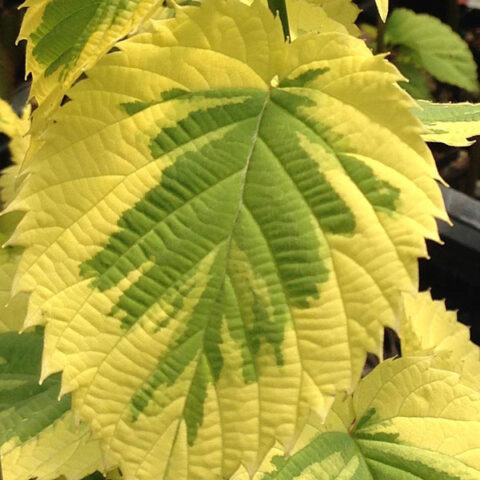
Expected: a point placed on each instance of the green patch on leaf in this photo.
(26, 408)
(224, 193)
(329, 456)
(303, 79)
(66, 27)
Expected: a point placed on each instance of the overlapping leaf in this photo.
(433, 46)
(26, 407)
(450, 123)
(12, 310)
(38, 435)
(418, 85)
(428, 327)
(216, 217)
(306, 16)
(66, 37)
(414, 420)
(16, 128)
(63, 449)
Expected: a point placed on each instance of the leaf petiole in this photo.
(280, 7)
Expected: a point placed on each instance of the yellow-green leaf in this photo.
(434, 46)
(64, 449)
(306, 16)
(450, 123)
(420, 419)
(39, 437)
(67, 37)
(321, 16)
(415, 420)
(428, 327)
(12, 310)
(216, 217)
(17, 129)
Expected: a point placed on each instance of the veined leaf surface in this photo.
(418, 420)
(216, 217)
(434, 46)
(450, 123)
(427, 326)
(415, 420)
(321, 16)
(16, 128)
(66, 37)
(64, 450)
(306, 16)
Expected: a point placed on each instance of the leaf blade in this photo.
(434, 46)
(449, 123)
(251, 146)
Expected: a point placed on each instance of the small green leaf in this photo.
(418, 79)
(434, 46)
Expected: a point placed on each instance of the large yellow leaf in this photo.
(218, 227)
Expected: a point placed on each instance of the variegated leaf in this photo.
(12, 310)
(39, 437)
(67, 37)
(218, 227)
(415, 420)
(450, 123)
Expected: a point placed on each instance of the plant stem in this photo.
(279, 6)
(380, 35)
(453, 14)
